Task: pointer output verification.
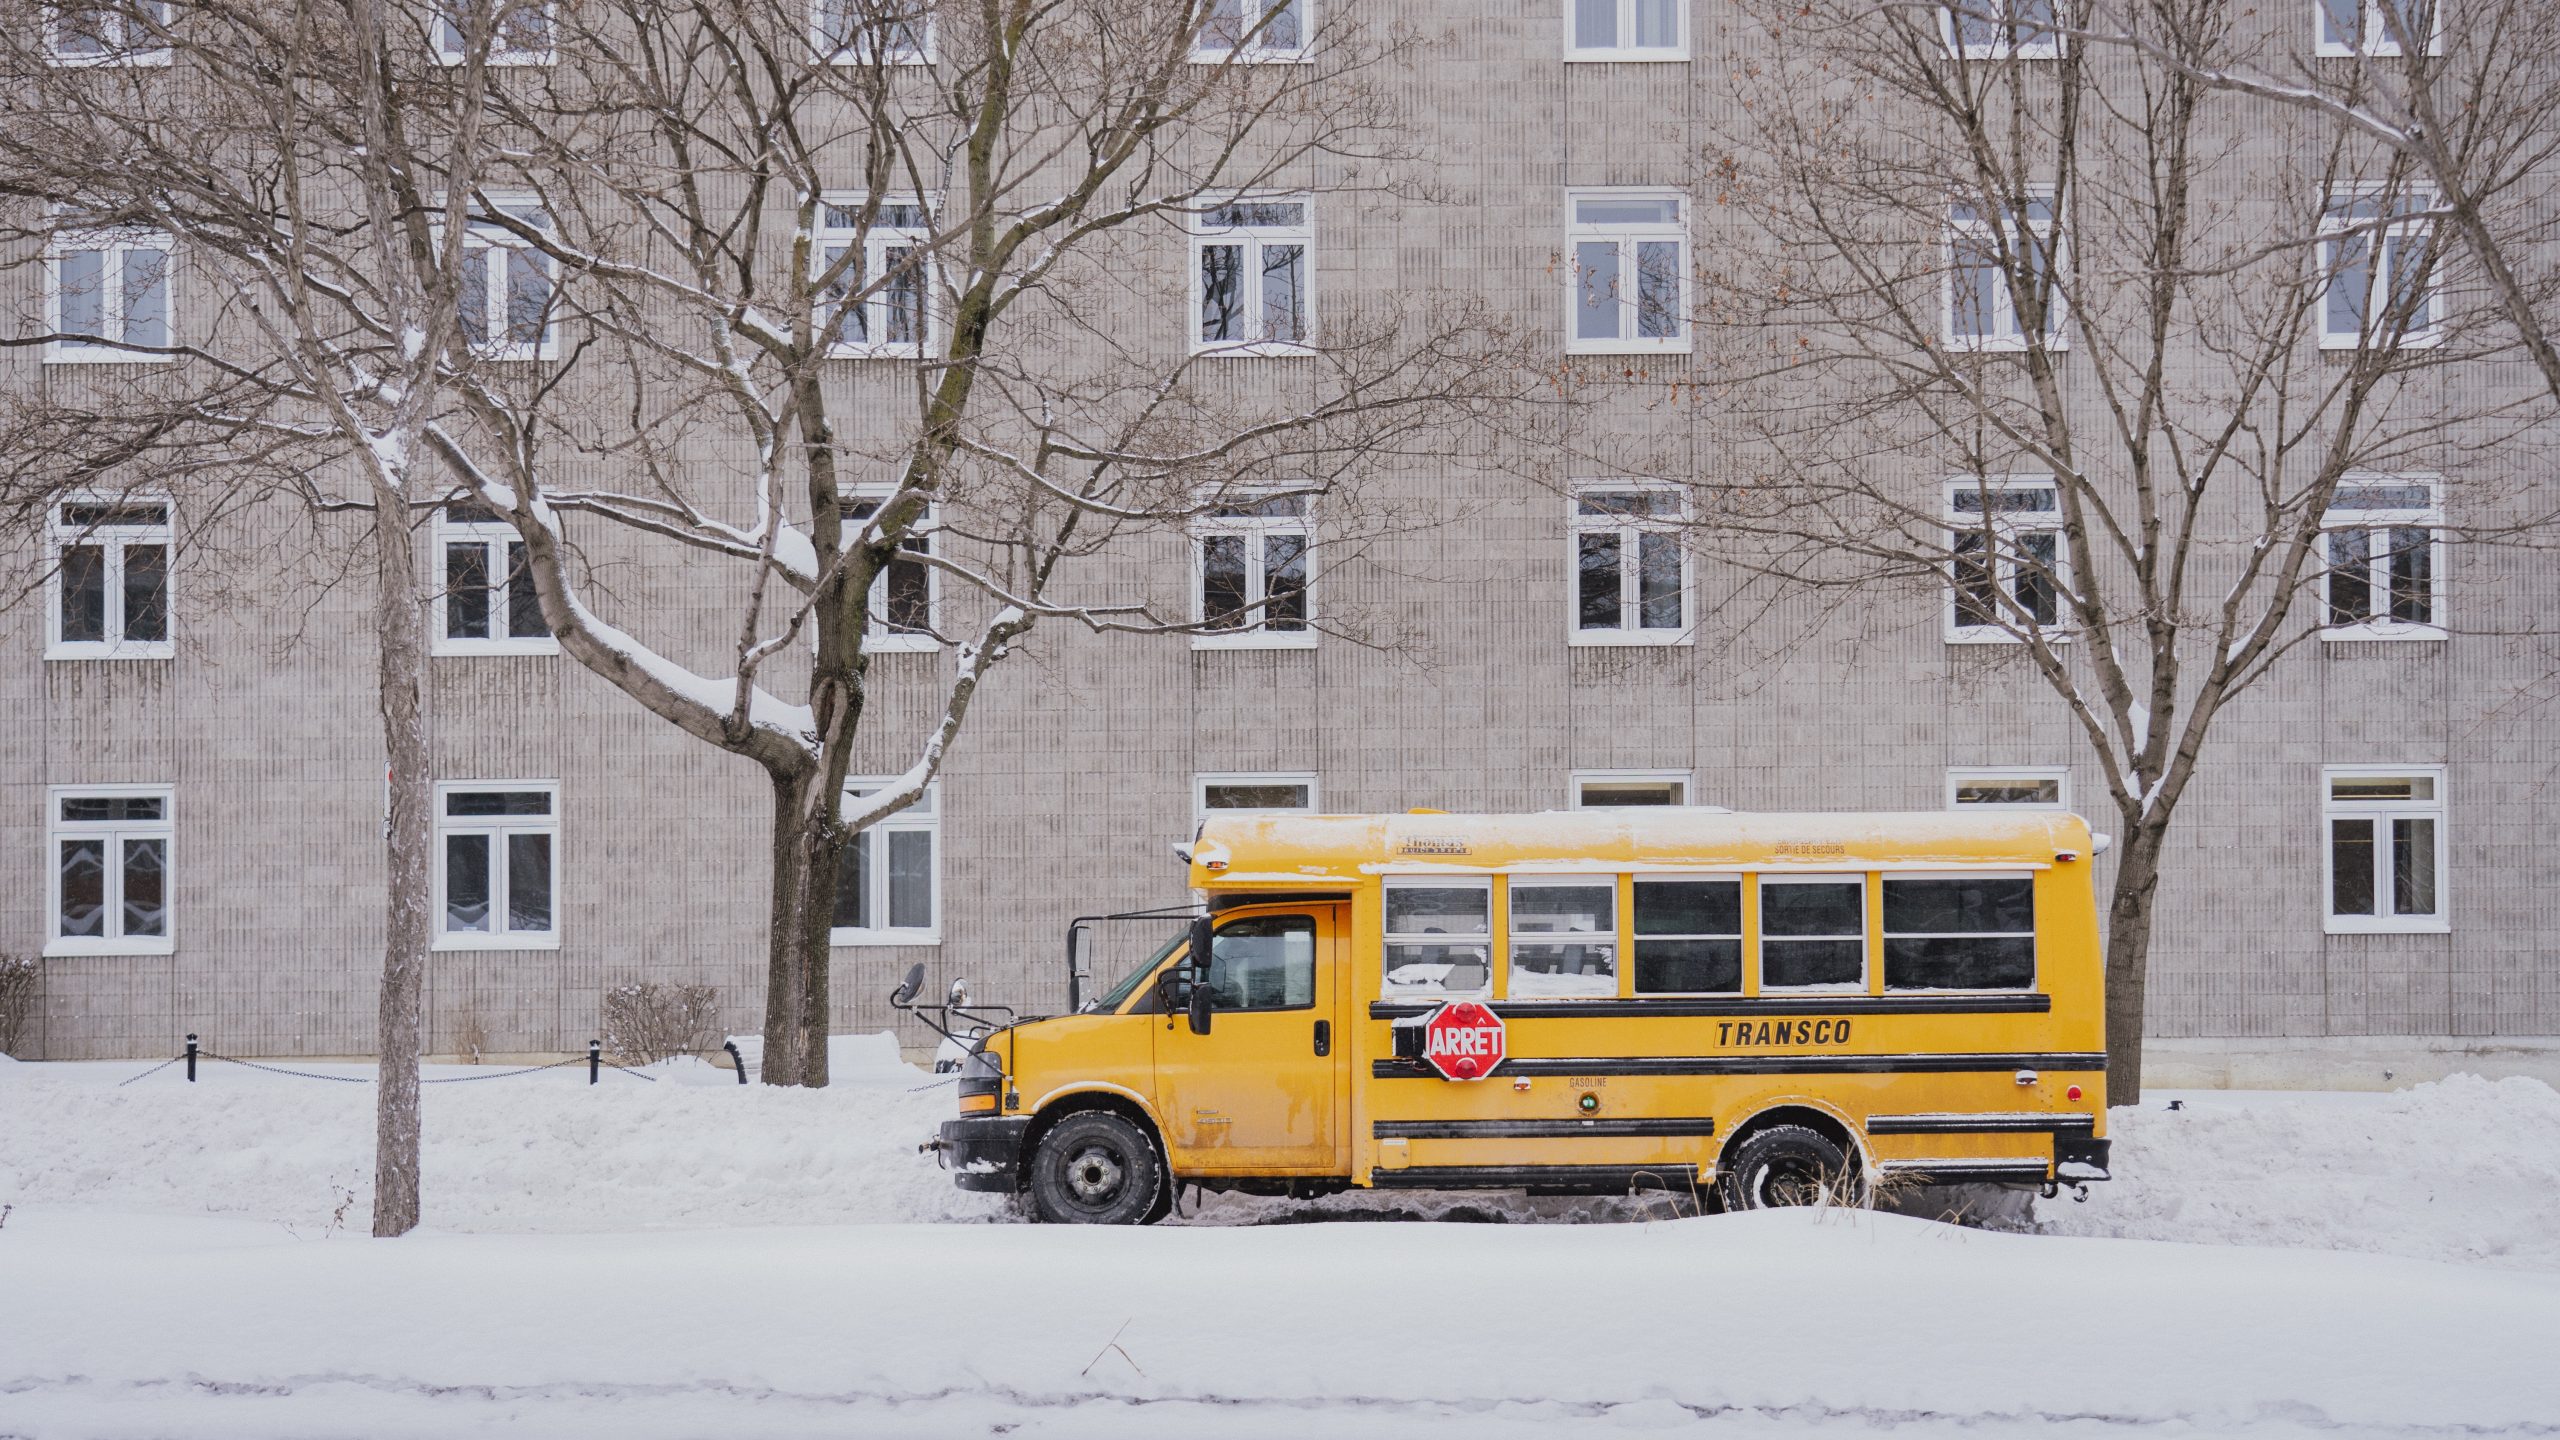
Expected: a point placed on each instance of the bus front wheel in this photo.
(1788, 1165)
(1095, 1168)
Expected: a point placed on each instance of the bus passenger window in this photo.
(1564, 939)
(1439, 939)
(1688, 937)
(1977, 932)
(1264, 962)
(1813, 931)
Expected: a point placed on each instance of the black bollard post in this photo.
(595, 1060)
(191, 1057)
(736, 1059)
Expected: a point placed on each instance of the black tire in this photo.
(1789, 1165)
(1095, 1168)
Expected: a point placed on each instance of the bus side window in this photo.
(1971, 932)
(1439, 939)
(1688, 936)
(1264, 962)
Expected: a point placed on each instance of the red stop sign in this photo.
(1463, 1041)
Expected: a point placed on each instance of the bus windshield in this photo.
(1119, 994)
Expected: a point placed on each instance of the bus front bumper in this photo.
(983, 1152)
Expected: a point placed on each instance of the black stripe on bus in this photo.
(1980, 1124)
(1965, 1172)
(1536, 1129)
(1689, 1007)
(1588, 1179)
(1761, 1065)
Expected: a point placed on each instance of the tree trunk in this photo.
(399, 619)
(2128, 958)
(804, 895)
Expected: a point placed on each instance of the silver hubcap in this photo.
(1094, 1175)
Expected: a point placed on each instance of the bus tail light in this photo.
(2071, 1094)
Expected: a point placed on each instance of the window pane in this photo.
(853, 870)
(1619, 794)
(1231, 796)
(529, 882)
(472, 303)
(497, 802)
(1564, 909)
(2340, 22)
(2406, 259)
(853, 322)
(2343, 312)
(2382, 787)
(1439, 910)
(466, 591)
(1284, 582)
(146, 891)
(1814, 908)
(524, 607)
(2413, 575)
(2350, 583)
(1281, 31)
(528, 296)
(1222, 582)
(2039, 597)
(1595, 24)
(1597, 564)
(2030, 791)
(146, 296)
(1226, 25)
(1968, 906)
(146, 592)
(466, 883)
(1688, 907)
(1658, 582)
(2350, 867)
(1674, 966)
(908, 599)
(1626, 210)
(1812, 962)
(1658, 288)
(1658, 24)
(1976, 602)
(82, 278)
(1543, 969)
(1959, 962)
(1267, 962)
(910, 879)
(84, 593)
(84, 888)
(902, 300)
(1595, 268)
(1459, 969)
(2413, 865)
(1222, 292)
(112, 807)
(1974, 307)
(1284, 311)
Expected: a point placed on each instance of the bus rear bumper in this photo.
(983, 1153)
(2078, 1158)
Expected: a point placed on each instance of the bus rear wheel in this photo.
(1095, 1168)
(1788, 1165)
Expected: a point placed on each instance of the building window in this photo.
(1284, 794)
(519, 32)
(107, 294)
(2353, 27)
(130, 33)
(907, 592)
(1627, 30)
(1628, 789)
(865, 32)
(110, 581)
(2386, 849)
(1688, 935)
(109, 880)
(1631, 573)
(1252, 32)
(2001, 29)
(1813, 932)
(497, 865)
(486, 605)
(1252, 580)
(2373, 265)
(889, 881)
(1439, 939)
(882, 295)
(2006, 569)
(1986, 250)
(1249, 276)
(508, 286)
(2009, 789)
(2385, 572)
(1563, 939)
(1959, 932)
(1629, 288)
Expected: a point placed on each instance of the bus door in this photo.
(1258, 1091)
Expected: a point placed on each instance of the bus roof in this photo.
(1292, 851)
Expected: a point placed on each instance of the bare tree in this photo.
(2076, 351)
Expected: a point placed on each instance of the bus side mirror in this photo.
(908, 987)
(1199, 1008)
(1203, 936)
(1080, 953)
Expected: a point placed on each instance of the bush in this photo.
(645, 1021)
(19, 981)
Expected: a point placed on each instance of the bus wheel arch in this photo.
(1122, 1139)
(1805, 1147)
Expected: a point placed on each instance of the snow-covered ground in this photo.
(686, 1257)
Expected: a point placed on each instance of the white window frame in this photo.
(486, 246)
(2005, 567)
(113, 538)
(122, 50)
(2377, 523)
(2381, 813)
(498, 827)
(1252, 239)
(450, 48)
(493, 537)
(1627, 236)
(1256, 532)
(2336, 224)
(1756, 968)
(925, 816)
(877, 636)
(115, 243)
(2047, 46)
(115, 833)
(2008, 334)
(2376, 35)
(1259, 50)
(877, 242)
(1681, 779)
(1201, 785)
(1960, 777)
(856, 50)
(1629, 529)
(1623, 52)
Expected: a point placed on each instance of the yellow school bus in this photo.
(1753, 1009)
